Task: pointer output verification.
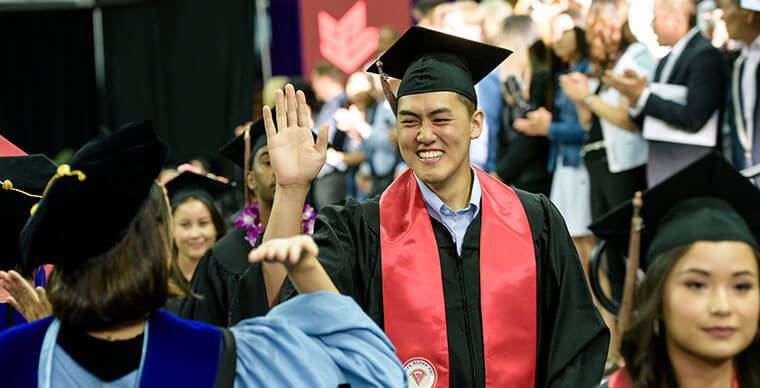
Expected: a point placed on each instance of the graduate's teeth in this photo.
(429, 154)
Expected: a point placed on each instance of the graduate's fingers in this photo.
(255, 255)
(310, 246)
(281, 252)
(294, 253)
(43, 307)
(42, 295)
(303, 111)
(269, 128)
(291, 105)
(279, 107)
(322, 138)
(12, 301)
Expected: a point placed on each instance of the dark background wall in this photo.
(186, 65)
(47, 82)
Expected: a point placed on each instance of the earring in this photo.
(656, 327)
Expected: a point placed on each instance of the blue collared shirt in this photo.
(458, 221)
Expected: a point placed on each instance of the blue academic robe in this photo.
(315, 340)
(11, 317)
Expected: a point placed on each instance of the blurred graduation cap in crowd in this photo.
(426, 61)
(191, 185)
(708, 200)
(92, 200)
(234, 149)
(22, 180)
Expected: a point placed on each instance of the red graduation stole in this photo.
(413, 305)
(620, 379)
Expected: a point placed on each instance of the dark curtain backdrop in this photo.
(47, 80)
(286, 38)
(186, 65)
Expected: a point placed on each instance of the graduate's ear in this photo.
(250, 181)
(476, 124)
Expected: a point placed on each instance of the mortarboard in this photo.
(709, 200)
(234, 150)
(91, 201)
(189, 184)
(752, 5)
(430, 61)
(22, 181)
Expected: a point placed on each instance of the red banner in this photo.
(345, 32)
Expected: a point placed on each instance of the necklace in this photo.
(249, 219)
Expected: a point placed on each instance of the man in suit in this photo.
(694, 63)
(742, 20)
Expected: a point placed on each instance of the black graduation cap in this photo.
(92, 200)
(234, 150)
(709, 200)
(22, 181)
(430, 61)
(189, 184)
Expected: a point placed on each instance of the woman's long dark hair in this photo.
(609, 8)
(556, 65)
(116, 287)
(646, 356)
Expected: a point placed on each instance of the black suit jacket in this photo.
(704, 71)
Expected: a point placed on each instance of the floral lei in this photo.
(249, 219)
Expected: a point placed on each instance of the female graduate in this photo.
(698, 306)
(111, 277)
(230, 287)
(197, 222)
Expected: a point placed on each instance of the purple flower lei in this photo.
(249, 219)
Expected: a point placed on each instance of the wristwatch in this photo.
(587, 99)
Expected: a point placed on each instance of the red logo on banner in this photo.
(347, 42)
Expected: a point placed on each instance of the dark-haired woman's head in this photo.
(118, 286)
(698, 302)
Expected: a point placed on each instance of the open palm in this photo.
(295, 157)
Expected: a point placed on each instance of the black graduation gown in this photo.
(572, 339)
(230, 287)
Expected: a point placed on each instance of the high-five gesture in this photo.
(296, 158)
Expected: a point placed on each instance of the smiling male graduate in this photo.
(475, 283)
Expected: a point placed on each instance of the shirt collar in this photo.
(681, 44)
(435, 205)
(753, 48)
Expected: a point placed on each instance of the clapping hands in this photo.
(536, 123)
(31, 302)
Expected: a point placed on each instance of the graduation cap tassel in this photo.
(387, 88)
(634, 255)
(246, 157)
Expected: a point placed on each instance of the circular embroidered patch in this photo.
(421, 373)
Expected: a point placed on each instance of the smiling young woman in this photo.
(198, 224)
(699, 304)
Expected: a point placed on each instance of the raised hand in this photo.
(32, 303)
(295, 157)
